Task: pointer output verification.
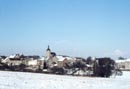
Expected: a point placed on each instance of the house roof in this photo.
(12, 56)
(126, 60)
(42, 58)
(60, 58)
(3, 57)
(34, 57)
(53, 54)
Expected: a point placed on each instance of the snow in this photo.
(126, 60)
(60, 58)
(20, 80)
(12, 56)
(42, 58)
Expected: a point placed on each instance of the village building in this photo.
(123, 64)
(51, 59)
(62, 61)
(2, 58)
(17, 59)
(13, 60)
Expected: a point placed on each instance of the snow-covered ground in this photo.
(19, 80)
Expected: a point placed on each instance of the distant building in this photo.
(17, 59)
(51, 59)
(13, 60)
(123, 64)
(48, 53)
(62, 61)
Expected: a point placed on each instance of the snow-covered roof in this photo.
(93, 58)
(60, 58)
(126, 60)
(5, 60)
(42, 58)
(12, 56)
(69, 58)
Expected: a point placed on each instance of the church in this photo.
(50, 57)
(52, 60)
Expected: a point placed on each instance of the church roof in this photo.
(48, 49)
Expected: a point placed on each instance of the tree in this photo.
(103, 67)
(121, 58)
(89, 60)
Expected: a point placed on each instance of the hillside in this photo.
(19, 80)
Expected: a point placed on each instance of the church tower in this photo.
(48, 52)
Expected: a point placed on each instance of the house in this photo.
(62, 61)
(17, 59)
(12, 60)
(79, 59)
(123, 64)
(2, 58)
(32, 60)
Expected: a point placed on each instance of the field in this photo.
(19, 80)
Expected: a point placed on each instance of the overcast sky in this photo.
(84, 28)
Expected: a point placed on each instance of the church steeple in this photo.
(48, 49)
(48, 52)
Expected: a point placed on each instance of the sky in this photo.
(97, 28)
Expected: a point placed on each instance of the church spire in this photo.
(48, 52)
(48, 49)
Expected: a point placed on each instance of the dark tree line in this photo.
(101, 67)
(104, 67)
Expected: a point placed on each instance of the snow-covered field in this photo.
(18, 80)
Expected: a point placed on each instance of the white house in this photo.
(123, 64)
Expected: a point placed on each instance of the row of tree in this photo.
(100, 67)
